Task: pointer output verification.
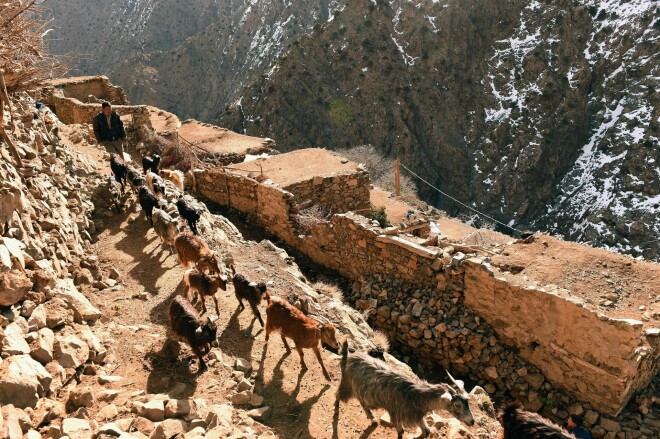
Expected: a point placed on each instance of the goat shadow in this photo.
(152, 264)
(288, 413)
(237, 342)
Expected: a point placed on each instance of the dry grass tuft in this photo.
(307, 219)
(330, 290)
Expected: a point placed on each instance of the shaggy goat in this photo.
(148, 201)
(176, 177)
(191, 249)
(151, 163)
(376, 385)
(250, 291)
(205, 285)
(165, 227)
(188, 326)
(119, 170)
(521, 424)
(11, 200)
(189, 213)
(155, 183)
(304, 331)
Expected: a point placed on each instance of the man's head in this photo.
(574, 421)
(106, 108)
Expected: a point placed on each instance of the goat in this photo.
(148, 201)
(119, 170)
(204, 285)
(165, 227)
(250, 291)
(11, 200)
(188, 326)
(135, 179)
(176, 177)
(191, 249)
(189, 213)
(151, 163)
(521, 424)
(304, 331)
(155, 183)
(407, 399)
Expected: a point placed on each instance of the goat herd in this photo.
(364, 375)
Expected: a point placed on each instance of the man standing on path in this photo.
(109, 130)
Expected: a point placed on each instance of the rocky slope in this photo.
(542, 114)
(84, 286)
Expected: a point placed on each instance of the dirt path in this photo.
(135, 316)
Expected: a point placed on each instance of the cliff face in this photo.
(187, 57)
(541, 114)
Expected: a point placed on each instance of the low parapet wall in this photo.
(71, 111)
(595, 359)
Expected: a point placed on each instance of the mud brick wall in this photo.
(99, 87)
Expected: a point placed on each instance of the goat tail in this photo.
(233, 270)
(344, 353)
(510, 410)
(266, 295)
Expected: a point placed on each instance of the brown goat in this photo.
(176, 177)
(191, 249)
(305, 332)
(204, 285)
(250, 291)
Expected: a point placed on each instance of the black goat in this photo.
(189, 327)
(521, 424)
(189, 213)
(148, 201)
(135, 178)
(119, 170)
(251, 291)
(151, 163)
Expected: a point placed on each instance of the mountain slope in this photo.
(541, 114)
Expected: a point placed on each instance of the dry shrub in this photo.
(24, 61)
(381, 340)
(307, 219)
(329, 289)
(381, 171)
(174, 155)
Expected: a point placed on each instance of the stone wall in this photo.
(97, 86)
(583, 352)
(591, 357)
(70, 111)
(337, 194)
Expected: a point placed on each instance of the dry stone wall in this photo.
(440, 289)
(338, 194)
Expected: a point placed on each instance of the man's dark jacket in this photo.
(103, 132)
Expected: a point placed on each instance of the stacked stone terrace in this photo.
(443, 304)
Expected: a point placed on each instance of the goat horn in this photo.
(452, 378)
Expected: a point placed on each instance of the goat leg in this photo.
(317, 352)
(286, 345)
(217, 309)
(202, 298)
(367, 410)
(256, 312)
(425, 429)
(202, 365)
(303, 366)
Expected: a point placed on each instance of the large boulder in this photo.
(14, 342)
(57, 313)
(83, 310)
(43, 346)
(70, 350)
(14, 285)
(23, 381)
